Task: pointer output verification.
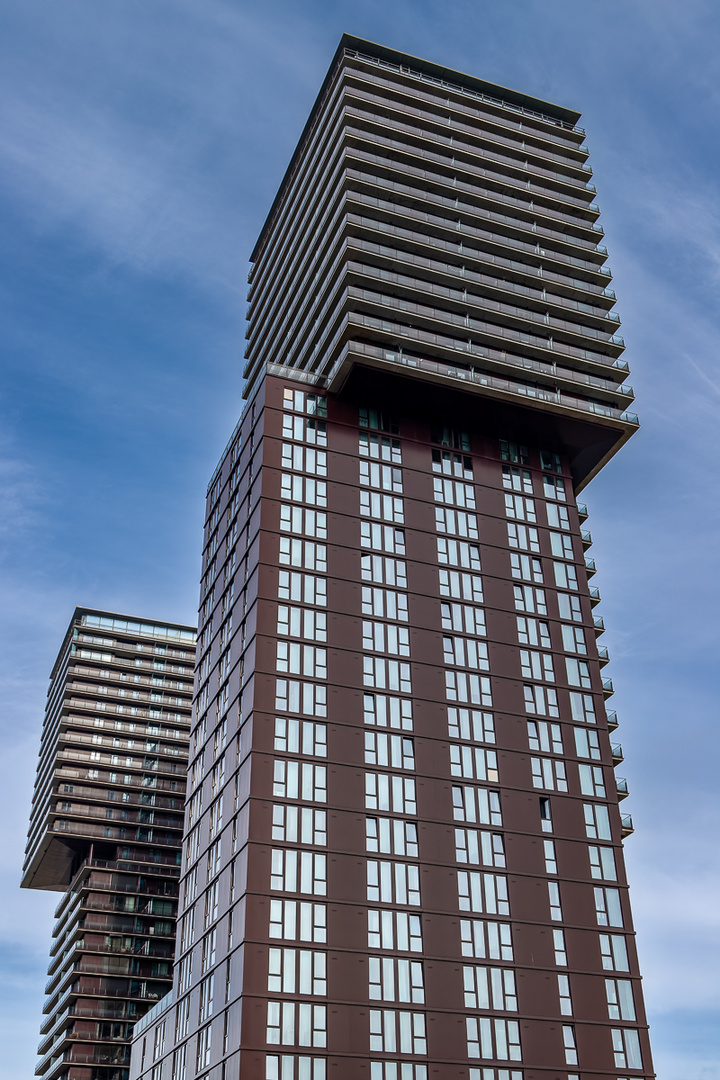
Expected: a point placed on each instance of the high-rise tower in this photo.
(403, 855)
(106, 830)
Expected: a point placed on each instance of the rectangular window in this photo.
(626, 1048)
(386, 637)
(473, 763)
(476, 805)
(300, 737)
(298, 659)
(568, 1032)
(456, 523)
(305, 588)
(292, 1024)
(393, 883)
(489, 988)
(559, 948)
(526, 568)
(529, 599)
(565, 576)
(488, 1038)
(578, 673)
(309, 699)
(544, 738)
(384, 603)
(483, 893)
(541, 700)
(382, 538)
(517, 479)
(460, 465)
(379, 448)
(597, 821)
(386, 674)
(586, 743)
(388, 1070)
(466, 652)
(207, 993)
(395, 751)
(569, 607)
(454, 493)
(533, 632)
(558, 517)
(591, 781)
(470, 724)
(382, 507)
(607, 906)
(297, 971)
(620, 1002)
(458, 553)
(390, 793)
(613, 951)
(479, 848)
(294, 1067)
(396, 980)
(389, 836)
(552, 487)
(302, 623)
(300, 401)
(463, 618)
(303, 522)
(298, 920)
(582, 708)
(382, 477)
(395, 1032)
(554, 898)
(574, 638)
(304, 459)
(474, 689)
(511, 451)
(536, 665)
(523, 537)
(602, 863)
(461, 586)
(303, 554)
(549, 773)
(564, 995)
(203, 1047)
(550, 857)
(397, 931)
(300, 429)
(486, 940)
(303, 489)
(516, 506)
(299, 825)
(298, 872)
(383, 571)
(385, 711)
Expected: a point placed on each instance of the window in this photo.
(597, 821)
(559, 948)
(386, 674)
(396, 980)
(452, 437)
(550, 461)
(395, 930)
(529, 599)
(291, 1023)
(541, 700)
(488, 1038)
(299, 520)
(208, 947)
(550, 857)
(300, 971)
(544, 738)
(602, 863)
(582, 707)
(298, 920)
(386, 637)
(578, 673)
(626, 1048)
(294, 1067)
(304, 554)
(300, 737)
(483, 893)
(382, 538)
(526, 568)
(565, 575)
(463, 618)
(303, 489)
(607, 907)
(393, 750)
(613, 951)
(299, 659)
(510, 451)
(182, 1018)
(302, 623)
(474, 689)
(384, 603)
(586, 743)
(179, 1063)
(558, 517)
(569, 607)
(380, 448)
(383, 477)
(395, 794)
(452, 464)
(545, 815)
(454, 493)
(591, 780)
(619, 994)
(489, 988)
(523, 537)
(533, 632)
(486, 940)
(458, 553)
(474, 804)
(389, 836)
(393, 883)
(159, 1040)
(385, 711)
(207, 992)
(305, 588)
(517, 479)
(470, 724)
(388, 1070)
(461, 586)
(378, 420)
(298, 429)
(383, 507)
(300, 401)
(564, 995)
(479, 848)
(294, 824)
(574, 638)
(298, 871)
(304, 459)
(568, 1033)
(456, 523)
(536, 665)
(549, 773)
(466, 652)
(520, 508)
(473, 763)
(398, 1032)
(203, 1047)
(554, 898)
(300, 697)
(300, 780)
(383, 571)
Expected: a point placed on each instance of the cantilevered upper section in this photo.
(439, 228)
(114, 745)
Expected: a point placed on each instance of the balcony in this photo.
(595, 597)
(626, 825)
(617, 753)
(590, 567)
(621, 786)
(603, 655)
(612, 719)
(599, 625)
(582, 511)
(586, 538)
(608, 688)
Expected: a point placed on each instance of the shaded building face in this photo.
(403, 851)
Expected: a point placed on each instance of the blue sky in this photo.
(141, 143)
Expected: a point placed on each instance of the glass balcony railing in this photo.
(608, 688)
(603, 656)
(621, 786)
(586, 537)
(582, 511)
(590, 567)
(627, 826)
(617, 753)
(612, 719)
(599, 624)
(595, 597)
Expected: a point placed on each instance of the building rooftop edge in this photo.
(425, 67)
